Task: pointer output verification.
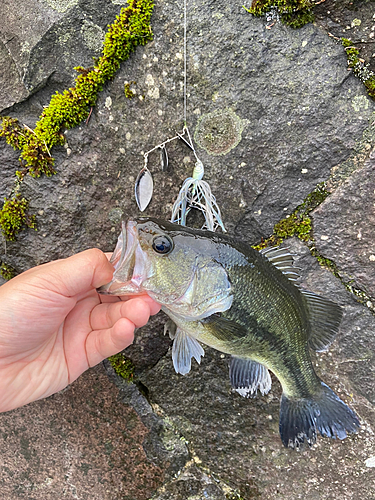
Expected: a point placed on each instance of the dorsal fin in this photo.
(325, 318)
(283, 260)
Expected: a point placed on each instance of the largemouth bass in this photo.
(223, 293)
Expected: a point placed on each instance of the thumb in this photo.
(77, 274)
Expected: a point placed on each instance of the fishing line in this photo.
(185, 64)
(195, 193)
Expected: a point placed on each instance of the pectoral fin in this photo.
(223, 328)
(247, 376)
(184, 348)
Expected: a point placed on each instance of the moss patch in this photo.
(122, 366)
(359, 67)
(14, 216)
(129, 94)
(7, 272)
(67, 110)
(293, 13)
(298, 223)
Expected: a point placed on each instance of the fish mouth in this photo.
(129, 261)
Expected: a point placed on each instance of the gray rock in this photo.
(163, 444)
(12, 89)
(46, 42)
(344, 229)
(81, 443)
(150, 344)
(354, 349)
(191, 484)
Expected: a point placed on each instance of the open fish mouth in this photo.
(129, 262)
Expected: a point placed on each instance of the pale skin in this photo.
(54, 326)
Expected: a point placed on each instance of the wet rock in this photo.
(344, 229)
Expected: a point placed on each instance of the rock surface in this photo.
(344, 229)
(272, 111)
(82, 443)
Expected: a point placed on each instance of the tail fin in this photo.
(301, 418)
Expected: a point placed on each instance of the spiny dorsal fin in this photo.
(283, 260)
(184, 348)
(325, 318)
(247, 376)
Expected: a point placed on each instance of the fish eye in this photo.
(162, 244)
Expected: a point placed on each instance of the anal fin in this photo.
(184, 348)
(248, 376)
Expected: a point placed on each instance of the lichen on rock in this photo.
(219, 132)
(61, 5)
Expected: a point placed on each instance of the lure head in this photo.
(176, 266)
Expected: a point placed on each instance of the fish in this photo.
(223, 293)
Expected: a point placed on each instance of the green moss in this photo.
(359, 67)
(14, 215)
(298, 223)
(35, 156)
(14, 134)
(314, 199)
(293, 13)
(129, 94)
(122, 366)
(325, 262)
(6, 271)
(294, 225)
(234, 496)
(69, 109)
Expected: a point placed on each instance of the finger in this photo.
(154, 306)
(106, 315)
(108, 298)
(101, 344)
(74, 275)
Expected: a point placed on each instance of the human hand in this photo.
(54, 326)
